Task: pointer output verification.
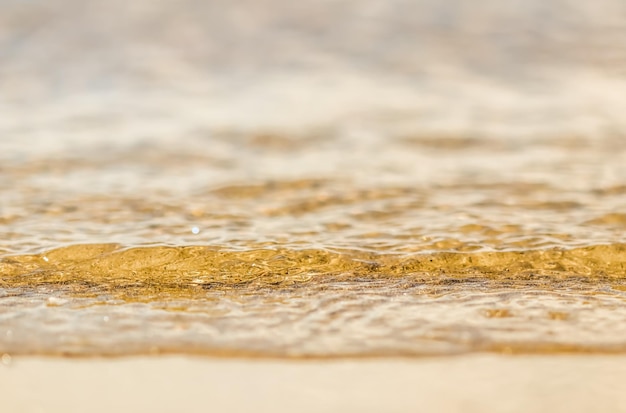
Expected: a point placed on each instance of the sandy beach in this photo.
(473, 383)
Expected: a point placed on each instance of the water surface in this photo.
(333, 179)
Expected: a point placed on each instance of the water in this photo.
(333, 179)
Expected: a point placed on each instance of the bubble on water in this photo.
(56, 301)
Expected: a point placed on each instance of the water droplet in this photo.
(6, 359)
(195, 230)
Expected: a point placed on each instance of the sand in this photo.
(472, 383)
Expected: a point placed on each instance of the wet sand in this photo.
(476, 383)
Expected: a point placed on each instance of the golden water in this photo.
(349, 205)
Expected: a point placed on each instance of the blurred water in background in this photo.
(158, 68)
(340, 173)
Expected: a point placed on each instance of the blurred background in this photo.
(114, 70)
(157, 115)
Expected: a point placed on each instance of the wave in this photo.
(110, 267)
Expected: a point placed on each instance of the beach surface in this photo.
(475, 383)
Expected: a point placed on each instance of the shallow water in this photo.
(318, 181)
